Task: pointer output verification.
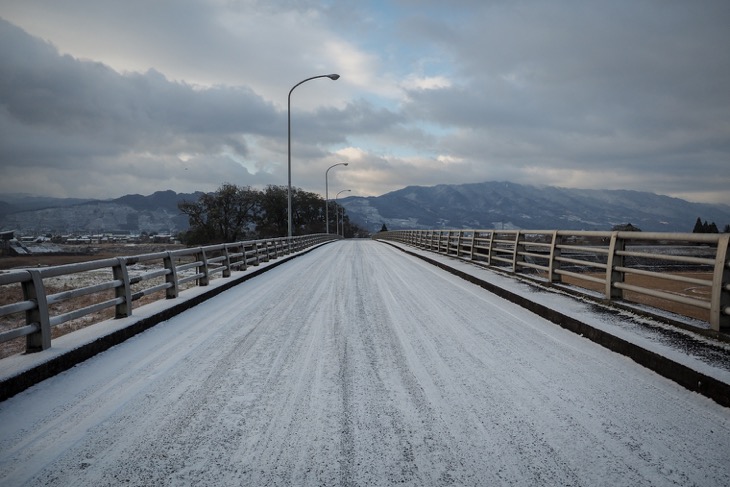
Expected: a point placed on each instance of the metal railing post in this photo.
(490, 247)
(554, 264)
(516, 251)
(200, 256)
(171, 277)
(244, 257)
(34, 290)
(720, 298)
(120, 273)
(226, 262)
(612, 275)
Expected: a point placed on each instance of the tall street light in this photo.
(333, 77)
(326, 196)
(337, 219)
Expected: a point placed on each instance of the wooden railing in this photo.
(621, 266)
(119, 282)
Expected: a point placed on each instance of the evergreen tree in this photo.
(705, 227)
(698, 226)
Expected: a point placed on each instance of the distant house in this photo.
(5, 238)
(162, 238)
(628, 227)
(11, 245)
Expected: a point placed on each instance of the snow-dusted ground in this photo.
(358, 365)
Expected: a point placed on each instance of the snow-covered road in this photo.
(358, 365)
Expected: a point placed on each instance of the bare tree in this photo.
(221, 216)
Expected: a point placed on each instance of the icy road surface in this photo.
(358, 365)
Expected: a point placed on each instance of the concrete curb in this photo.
(688, 378)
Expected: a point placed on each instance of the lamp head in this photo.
(333, 77)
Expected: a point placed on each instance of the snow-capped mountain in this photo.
(508, 205)
(481, 205)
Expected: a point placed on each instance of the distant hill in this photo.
(15, 202)
(508, 205)
(480, 205)
(129, 214)
(161, 199)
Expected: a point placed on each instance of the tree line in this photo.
(233, 213)
(704, 227)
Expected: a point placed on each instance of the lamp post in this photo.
(337, 219)
(333, 77)
(326, 196)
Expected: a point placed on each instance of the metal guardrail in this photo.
(172, 271)
(598, 260)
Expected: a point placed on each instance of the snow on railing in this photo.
(120, 281)
(691, 271)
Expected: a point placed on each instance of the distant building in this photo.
(5, 238)
(11, 245)
(628, 227)
(162, 238)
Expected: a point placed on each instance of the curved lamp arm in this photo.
(333, 77)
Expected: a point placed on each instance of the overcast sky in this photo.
(101, 98)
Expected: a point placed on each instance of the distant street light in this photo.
(333, 77)
(326, 195)
(337, 216)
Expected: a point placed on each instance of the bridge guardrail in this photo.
(121, 286)
(604, 262)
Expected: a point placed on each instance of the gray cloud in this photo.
(57, 111)
(625, 94)
(640, 88)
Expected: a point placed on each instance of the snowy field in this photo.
(358, 365)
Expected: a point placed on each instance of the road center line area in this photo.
(357, 364)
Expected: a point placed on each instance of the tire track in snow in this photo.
(356, 365)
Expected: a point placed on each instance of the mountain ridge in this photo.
(503, 204)
(132, 214)
(486, 205)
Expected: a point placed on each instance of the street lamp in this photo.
(326, 196)
(337, 219)
(333, 77)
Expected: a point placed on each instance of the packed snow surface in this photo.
(356, 364)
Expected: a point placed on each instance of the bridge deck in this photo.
(357, 365)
